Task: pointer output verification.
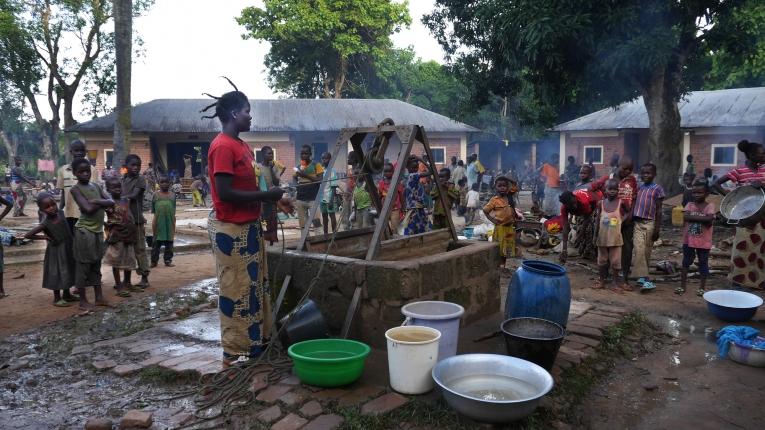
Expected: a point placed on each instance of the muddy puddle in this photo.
(43, 386)
(680, 383)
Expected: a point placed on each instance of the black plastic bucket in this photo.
(533, 339)
(303, 323)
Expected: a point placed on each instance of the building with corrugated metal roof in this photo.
(713, 122)
(165, 130)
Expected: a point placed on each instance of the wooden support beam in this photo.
(383, 215)
(421, 136)
(341, 141)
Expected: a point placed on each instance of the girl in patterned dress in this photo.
(121, 238)
(58, 266)
(416, 218)
(501, 212)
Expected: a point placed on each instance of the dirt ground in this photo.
(28, 305)
(680, 383)
(684, 384)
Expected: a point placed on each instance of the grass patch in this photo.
(425, 414)
(578, 381)
(156, 375)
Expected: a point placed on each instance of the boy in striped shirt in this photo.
(646, 214)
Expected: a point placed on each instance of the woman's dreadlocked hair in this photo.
(225, 104)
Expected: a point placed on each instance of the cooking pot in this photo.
(745, 205)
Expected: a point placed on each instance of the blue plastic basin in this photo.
(731, 305)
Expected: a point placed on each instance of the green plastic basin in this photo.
(328, 362)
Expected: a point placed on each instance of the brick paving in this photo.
(290, 422)
(584, 331)
(325, 422)
(289, 405)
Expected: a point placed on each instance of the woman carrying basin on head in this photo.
(236, 233)
(748, 252)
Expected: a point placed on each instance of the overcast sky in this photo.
(190, 43)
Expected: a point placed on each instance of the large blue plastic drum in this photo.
(539, 289)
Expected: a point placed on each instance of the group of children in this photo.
(628, 222)
(109, 228)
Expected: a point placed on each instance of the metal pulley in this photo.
(375, 157)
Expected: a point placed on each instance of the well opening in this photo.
(407, 269)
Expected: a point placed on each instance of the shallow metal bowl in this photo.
(747, 354)
(744, 205)
(491, 388)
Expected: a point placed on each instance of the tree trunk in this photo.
(10, 145)
(68, 102)
(123, 29)
(48, 129)
(327, 93)
(665, 138)
(340, 78)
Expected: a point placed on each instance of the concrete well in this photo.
(466, 274)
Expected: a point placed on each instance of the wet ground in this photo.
(676, 381)
(684, 384)
(45, 386)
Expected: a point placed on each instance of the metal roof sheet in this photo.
(282, 115)
(740, 107)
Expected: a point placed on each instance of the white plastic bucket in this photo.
(412, 353)
(442, 316)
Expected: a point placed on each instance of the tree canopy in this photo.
(595, 51)
(741, 64)
(64, 44)
(317, 44)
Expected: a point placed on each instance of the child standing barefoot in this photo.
(416, 218)
(611, 214)
(451, 195)
(88, 245)
(133, 189)
(473, 199)
(383, 188)
(697, 235)
(362, 203)
(501, 212)
(328, 206)
(120, 252)
(8, 207)
(646, 214)
(58, 266)
(163, 225)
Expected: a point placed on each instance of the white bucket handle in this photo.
(407, 320)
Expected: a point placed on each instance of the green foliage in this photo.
(18, 135)
(734, 67)
(315, 43)
(586, 53)
(398, 74)
(20, 70)
(66, 41)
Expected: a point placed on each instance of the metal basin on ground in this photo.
(492, 388)
(732, 305)
(747, 354)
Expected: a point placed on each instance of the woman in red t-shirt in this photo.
(236, 233)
